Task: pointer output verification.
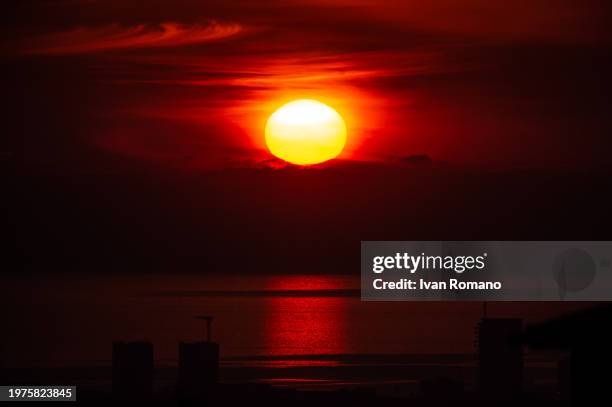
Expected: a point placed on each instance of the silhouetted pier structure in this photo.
(586, 335)
(198, 364)
(133, 370)
(500, 361)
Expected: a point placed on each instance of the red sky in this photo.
(190, 84)
(138, 131)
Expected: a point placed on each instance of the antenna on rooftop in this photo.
(208, 326)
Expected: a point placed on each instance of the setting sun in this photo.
(305, 132)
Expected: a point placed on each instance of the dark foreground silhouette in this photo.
(581, 337)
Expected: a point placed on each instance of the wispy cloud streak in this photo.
(116, 37)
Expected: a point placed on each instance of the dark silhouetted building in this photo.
(500, 359)
(564, 371)
(588, 338)
(133, 370)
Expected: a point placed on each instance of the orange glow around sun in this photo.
(305, 132)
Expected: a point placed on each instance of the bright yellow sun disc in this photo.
(305, 132)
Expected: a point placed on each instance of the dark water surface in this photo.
(277, 320)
